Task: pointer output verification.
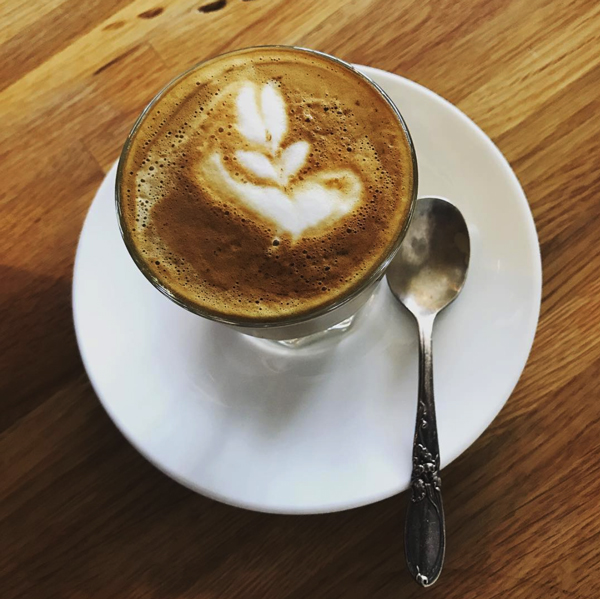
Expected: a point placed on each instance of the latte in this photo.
(265, 184)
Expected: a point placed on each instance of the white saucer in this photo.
(278, 431)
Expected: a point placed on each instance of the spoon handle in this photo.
(424, 533)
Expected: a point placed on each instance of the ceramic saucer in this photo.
(317, 431)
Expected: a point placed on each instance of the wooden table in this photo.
(85, 516)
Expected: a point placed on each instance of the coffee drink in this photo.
(265, 184)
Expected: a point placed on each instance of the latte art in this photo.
(291, 205)
(265, 184)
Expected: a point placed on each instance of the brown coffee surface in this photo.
(214, 213)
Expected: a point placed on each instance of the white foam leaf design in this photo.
(259, 164)
(293, 207)
(292, 159)
(250, 121)
(274, 115)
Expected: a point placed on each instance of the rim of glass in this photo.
(375, 274)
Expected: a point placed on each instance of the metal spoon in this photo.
(426, 275)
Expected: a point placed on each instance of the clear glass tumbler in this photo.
(290, 331)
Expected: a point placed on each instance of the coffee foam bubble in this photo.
(266, 184)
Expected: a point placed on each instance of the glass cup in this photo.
(289, 331)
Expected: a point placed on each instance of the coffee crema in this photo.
(265, 184)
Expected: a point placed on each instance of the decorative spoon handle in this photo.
(425, 532)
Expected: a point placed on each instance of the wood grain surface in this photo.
(84, 516)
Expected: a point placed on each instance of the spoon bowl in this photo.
(430, 268)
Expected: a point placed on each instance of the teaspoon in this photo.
(426, 275)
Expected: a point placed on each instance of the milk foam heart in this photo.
(265, 184)
(324, 196)
(292, 206)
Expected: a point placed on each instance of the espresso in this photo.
(265, 184)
